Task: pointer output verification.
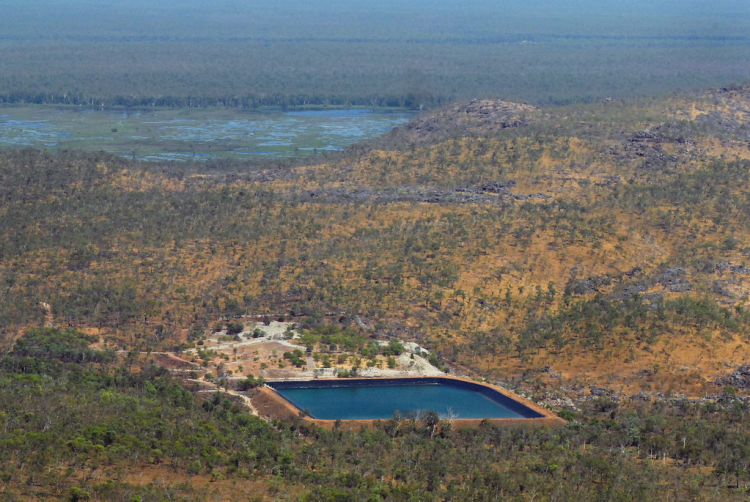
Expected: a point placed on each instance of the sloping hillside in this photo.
(590, 238)
(592, 257)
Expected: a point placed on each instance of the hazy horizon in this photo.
(542, 51)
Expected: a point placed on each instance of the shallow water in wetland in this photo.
(182, 134)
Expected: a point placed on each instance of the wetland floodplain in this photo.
(193, 133)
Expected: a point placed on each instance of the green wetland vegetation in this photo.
(190, 133)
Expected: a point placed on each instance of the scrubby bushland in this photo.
(63, 419)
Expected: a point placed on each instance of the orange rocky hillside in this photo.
(607, 241)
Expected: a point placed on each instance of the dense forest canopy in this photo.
(390, 53)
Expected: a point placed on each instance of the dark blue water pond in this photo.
(369, 400)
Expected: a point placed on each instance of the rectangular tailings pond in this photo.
(381, 398)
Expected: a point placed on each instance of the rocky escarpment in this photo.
(458, 120)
